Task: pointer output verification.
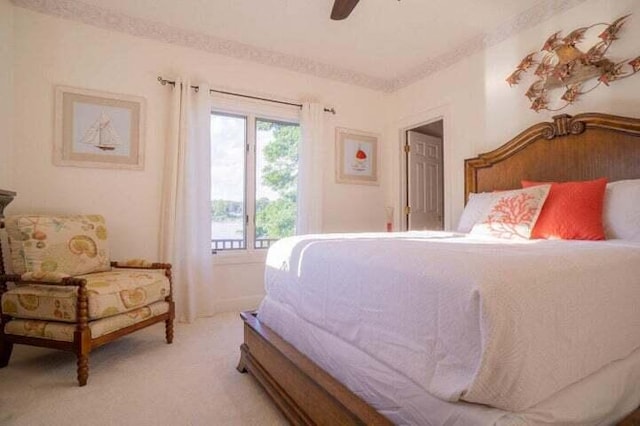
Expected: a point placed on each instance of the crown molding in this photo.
(115, 21)
(523, 21)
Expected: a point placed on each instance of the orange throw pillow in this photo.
(572, 211)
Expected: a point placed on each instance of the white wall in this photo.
(51, 51)
(6, 93)
(482, 112)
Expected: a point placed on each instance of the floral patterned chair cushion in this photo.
(63, 331)
(110, 293)
(72, 245)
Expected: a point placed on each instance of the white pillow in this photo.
(621, 214)
(512, 214)
(476, 208)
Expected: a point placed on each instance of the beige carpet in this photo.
(140, 380)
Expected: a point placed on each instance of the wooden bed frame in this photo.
(583, 147)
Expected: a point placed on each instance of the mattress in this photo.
(499, 323)
(602, 398)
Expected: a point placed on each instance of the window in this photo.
(254, 171)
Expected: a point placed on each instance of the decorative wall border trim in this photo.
(525, 20)
(116, 21)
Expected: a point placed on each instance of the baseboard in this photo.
(247, 303)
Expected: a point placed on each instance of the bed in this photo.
(398, 384)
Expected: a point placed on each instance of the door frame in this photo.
(411, 122)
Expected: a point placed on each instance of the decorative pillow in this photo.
(512, 214)
(476, 208)
(573, 211)
(622, 210)
(71, 245)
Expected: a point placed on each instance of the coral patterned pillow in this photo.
(513, 214)
(573, 211)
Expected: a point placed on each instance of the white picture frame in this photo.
(356, 157)
(98, 129)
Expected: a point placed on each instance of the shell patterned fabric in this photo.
(110, 293)
(55, 330)
(71, 245)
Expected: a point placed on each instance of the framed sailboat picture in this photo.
(98, 129)
(356, 157)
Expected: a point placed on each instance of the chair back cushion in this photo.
(71, 245)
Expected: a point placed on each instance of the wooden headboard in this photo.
(586, 146)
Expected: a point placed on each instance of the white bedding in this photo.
(602, 398)
(499, 323)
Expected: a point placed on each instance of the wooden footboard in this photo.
(305, 393)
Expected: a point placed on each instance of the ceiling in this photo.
(383, 44)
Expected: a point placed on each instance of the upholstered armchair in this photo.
(65, 293)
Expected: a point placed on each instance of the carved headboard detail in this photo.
(563, 125)
(586, 146)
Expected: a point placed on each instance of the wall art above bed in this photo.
(98, 129)
(577, 63)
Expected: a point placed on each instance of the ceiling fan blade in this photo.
(342, 9)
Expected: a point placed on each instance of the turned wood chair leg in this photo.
(5, 352)
(168, 325)
(83, 369)
(82, 335)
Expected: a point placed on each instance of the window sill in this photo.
(240, 257)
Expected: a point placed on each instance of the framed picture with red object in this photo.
(356, 157)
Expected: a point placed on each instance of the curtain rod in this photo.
(164, 82)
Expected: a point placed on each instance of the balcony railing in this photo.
(224, 244)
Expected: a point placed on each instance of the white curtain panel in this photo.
(310, 169)
(186, 221)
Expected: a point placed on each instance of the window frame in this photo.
(251, 111)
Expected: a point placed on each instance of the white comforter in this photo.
(499, 323)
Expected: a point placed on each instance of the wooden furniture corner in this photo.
(304, 392)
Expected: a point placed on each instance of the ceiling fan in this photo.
(342, 9)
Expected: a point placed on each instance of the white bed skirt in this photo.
(599, 399)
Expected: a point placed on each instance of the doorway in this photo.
(424, 177)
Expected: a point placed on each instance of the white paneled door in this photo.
(425, 188)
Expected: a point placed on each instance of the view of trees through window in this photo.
(253, 191)
(276, 179)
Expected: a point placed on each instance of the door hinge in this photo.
(407, 210)
(407, 148)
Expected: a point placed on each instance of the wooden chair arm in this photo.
(10, 278)
(7, 278)
(143, 264)
(140, 264)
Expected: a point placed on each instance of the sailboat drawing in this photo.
(101, 134)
